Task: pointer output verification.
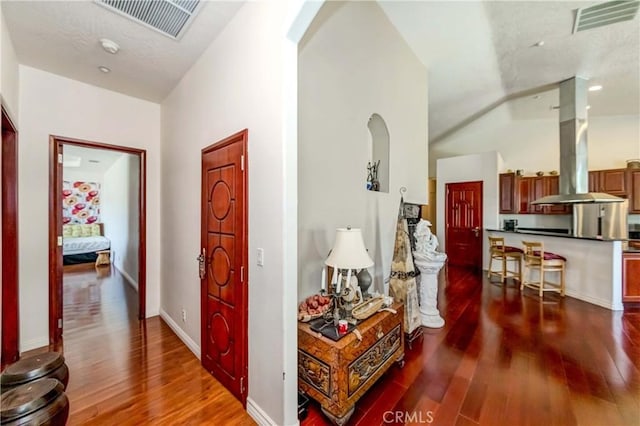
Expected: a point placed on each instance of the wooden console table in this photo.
(337, 374)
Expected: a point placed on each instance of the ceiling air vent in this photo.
(170, 17)
(605, 14)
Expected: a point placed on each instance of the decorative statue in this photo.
(426, 243)
(429, 262)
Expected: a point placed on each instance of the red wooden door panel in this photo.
(224, 243)
(464, 224)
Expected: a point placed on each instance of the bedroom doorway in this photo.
(96, 215)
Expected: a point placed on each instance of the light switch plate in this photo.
(260, 257)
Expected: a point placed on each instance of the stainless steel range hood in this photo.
(574, 172)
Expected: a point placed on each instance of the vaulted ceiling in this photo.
(478, 53)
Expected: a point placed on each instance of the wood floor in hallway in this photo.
(506, 358)
(127, 372)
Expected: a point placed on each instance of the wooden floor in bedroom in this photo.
(506, 358)
(127, 372)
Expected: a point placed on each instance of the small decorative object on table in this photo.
(313, 307)
(539, 173)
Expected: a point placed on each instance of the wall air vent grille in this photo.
(170, 17)
(606, 13)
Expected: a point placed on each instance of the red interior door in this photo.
(224, 278)
(9, 250)
(464, 224)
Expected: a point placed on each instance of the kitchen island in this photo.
(593, 269)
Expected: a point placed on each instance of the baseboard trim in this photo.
(595, 301)
(258, 414)
(188, 341)
(133, 283)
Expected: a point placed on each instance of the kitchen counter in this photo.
(594, 266)
(551, 234)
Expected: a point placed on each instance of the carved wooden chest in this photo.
(337, 374)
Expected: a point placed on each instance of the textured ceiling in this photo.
(478, 53)
(62, 37)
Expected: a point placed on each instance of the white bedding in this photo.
(77, 245)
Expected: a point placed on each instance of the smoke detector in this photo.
(109, 45)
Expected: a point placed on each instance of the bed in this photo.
(81, 242)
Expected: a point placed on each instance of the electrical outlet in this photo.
(184, 315)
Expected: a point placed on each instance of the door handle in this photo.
(476, 231)
(202, 257)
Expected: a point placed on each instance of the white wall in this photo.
(50, 104)
(72, 175)
(9, 76)
(534, 145)
(119, 213)
(353, 63)
(236, 84)
(476, 167)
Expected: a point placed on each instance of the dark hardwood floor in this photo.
(127, 372)
(506, 358)
(503, 358)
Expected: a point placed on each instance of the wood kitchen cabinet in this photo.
(524, 194)
(508, 197)
(553, 188)
(612, 182)
(529, 189)
(631, 277)
(634, 191)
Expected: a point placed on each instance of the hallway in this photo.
(126, 372)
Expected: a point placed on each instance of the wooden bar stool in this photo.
(503, 254)
(535, 258)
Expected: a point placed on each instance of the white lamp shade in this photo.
(348, 251)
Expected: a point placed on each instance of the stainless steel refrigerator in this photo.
(601, 220)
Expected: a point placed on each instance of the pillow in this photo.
(85, 230)
(76, 230)
(95, 230)
(66, 231)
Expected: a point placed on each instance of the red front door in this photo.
(464, 224)
(224, 253)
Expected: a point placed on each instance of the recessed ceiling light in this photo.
(109, 45)
(588, 106)
(595, 88)
(104, 69)
(539, 44)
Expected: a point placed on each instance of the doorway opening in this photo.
(87, 234)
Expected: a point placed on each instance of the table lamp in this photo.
(346, 257)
